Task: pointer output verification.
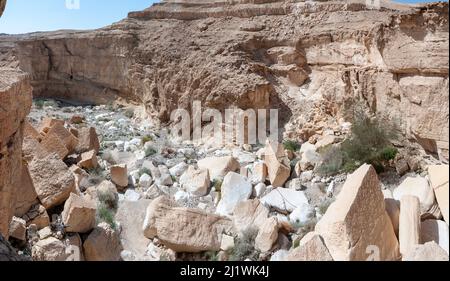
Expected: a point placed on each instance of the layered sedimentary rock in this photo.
(15, 103)
(311, 60)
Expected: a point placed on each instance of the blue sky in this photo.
(22, 16)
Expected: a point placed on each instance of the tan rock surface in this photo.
(103, 244)
(311, 248)
(79, 214)
(409, 227)
(358, 220)
(183, 229)
(439, 182)
(52, 180)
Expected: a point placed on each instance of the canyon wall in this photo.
(15, 103)
(312, 60)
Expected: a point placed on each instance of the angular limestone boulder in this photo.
(53, 144)
(87, 140)
(392, 208)
(49, 249)
(18, 228)
(52, 180)
(437, 231)
(88, 160)
(119, 175)
(219, 167)
(438, 175)
(249, 213)
(267, 235)
(25, 194)
(429, 251)
(103, 244)
(277, 171)
(195, 181)
(235, 188)
(130, 215)
(357, 221)
(184, 229)
(417, 186)
(79, 214)
(311, 248)
(66, 137)
(285, 200)
(409, 223)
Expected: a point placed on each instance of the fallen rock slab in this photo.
(52, 180)
(437, 231)
(438, 175)
(417, 186)
(429, 251)
(219, 167)
(358, 220)
(79, 214)
(311, 248)
(285, 200)
(235, 188)
(103, 244)
(409, 227)
(184, 229)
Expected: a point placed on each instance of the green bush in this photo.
(146, 139)
(369, 142)
(244, 246)
(217, 184)
(291, 145)
(149, 151)
(39, 103)
(332, 160)
(104, 214)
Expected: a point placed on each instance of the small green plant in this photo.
(324, 205)
(212, 256)
(217, 184)
(39, 104)
(144, 171)
(104, 214)
(291, 145)
(108, 199)
(305, 228)
(244, 246)
(146, 139)
(129, 113)
(150, 151)
(332, 161)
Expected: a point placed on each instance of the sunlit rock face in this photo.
(15, 103)
(2, 6)
(310, 60)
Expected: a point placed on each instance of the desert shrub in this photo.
(212, 256)
(291, 145)
(39, 104)
(149, 151)
(305, 228)
(129, 113)
(105, 214)
(324, 205)
(332, 160)
(108, 199)
(244, 246)
(370, 141)
(217, 184)
(144, 171)
(146, 139)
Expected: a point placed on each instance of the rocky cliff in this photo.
(15, 103)
(311, 60)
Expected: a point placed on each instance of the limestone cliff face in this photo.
(311, 60)
(2, 6)
(15, 103)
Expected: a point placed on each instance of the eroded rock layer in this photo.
(311, 60)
